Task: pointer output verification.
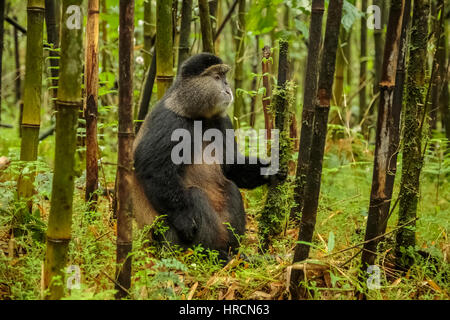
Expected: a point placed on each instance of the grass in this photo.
(196, 274)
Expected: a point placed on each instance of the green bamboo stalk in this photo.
(18, 84)
(68, 105)
(272, 218)
(338, 87)
(185, 32)
(414, 114)
(205, 24)
(31, 104)
(239, 65)
(443, 76)
(149, 32)
(164, 46)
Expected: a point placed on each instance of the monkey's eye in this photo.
(217, 77)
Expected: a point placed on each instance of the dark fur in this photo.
(198, 198)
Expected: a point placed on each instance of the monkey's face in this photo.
(202, 96)
(223, 96)
(216, 83)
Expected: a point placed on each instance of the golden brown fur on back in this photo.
(210, 179)
(144, 213)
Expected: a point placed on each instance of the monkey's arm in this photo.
(248, 175)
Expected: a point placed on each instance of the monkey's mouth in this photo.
(228, 97)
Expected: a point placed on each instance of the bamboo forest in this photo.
(224, 150)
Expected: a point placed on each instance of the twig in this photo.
(353, 257)
(374, 98)
(373, 239)
(16, 25)
(115, 282)
(225, 20)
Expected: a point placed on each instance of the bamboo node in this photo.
(52, 240)
(74, 104)
(37, 9)
(30, 125)
(125, 134)
(164, 78)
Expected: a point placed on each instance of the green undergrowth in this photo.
(197, 274)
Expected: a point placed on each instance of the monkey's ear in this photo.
(217, 68)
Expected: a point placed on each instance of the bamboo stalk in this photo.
(52, 24)
(218, 22)
(439, 62)
(31, 105)
(125, 155)
(185, 32)
(322, 108)
(104, 28)
(213, 6)
(388, 131)
(68, 104)
(338, 87)
(266, 70)
(2, 31)
(205, 24)
(415, 112)
(443, 79)
(378, 43)
(254, 83)
(271, 220)
(309, 96)
(239, 65)
(363, 65)
(146, 94)
(164, 46)
(18, 82)
(149, 32)
(91, 103)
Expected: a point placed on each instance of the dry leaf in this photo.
(327, 278)
(260, 295)
(192, 291)
(434, 285)
(396, 282)
(4, 162)
(229, 295)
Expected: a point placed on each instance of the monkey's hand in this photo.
(278, 177)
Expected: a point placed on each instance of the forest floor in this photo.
(195, 274)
